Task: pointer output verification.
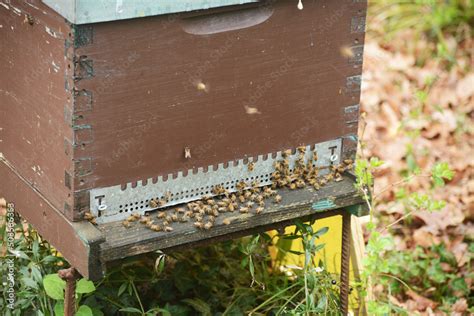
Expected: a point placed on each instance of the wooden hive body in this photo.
(116, 102)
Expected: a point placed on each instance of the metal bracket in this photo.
(117, 202)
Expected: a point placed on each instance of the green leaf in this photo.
(131, 310)
(122, 288)
(29, 283)
(84, 310)
(321, 231)
(200, 306)
(84, 286)
(441, 172)
(54, 286)
(59, 308)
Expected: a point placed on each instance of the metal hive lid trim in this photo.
(95, 11)
(116, 203)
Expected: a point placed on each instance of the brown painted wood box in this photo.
(104, 116)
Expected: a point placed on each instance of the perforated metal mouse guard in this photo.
(115, 203)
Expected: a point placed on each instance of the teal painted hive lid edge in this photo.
(94, 11)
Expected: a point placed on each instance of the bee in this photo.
(244, 209)
(259, 198)
(338, 177)
(136, 216)
(153, 203)
(190, 206)
(302, 149)
(316, 186)
(233, 197)
(184, 219)
(226, 221)
(198, 218)
(242, 199)
(211, 202)
(231, 207)
(88, 216)
(259, 210)
(149, 224)
(169, 219)
(211, 219)
(155, 228)
(189, 214)
(315, 156)
(286, 153)
(261, 203)
(222, 209)
(322, 182)
(126, 224)
(187, 152)
(199, 225)
(208, 225)
(93, 221)
(222, 203)
(292, 185)
(241, 185)
(251, 166)
(167, 196)
(166, 223)
(215, 213)
(168, 229)
(174, 218)
(348, 161)
(144, 219)
(180, 210)
(277, 198)
(131, 218)
(249, 204)
(300, 184)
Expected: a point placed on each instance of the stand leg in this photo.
(70, 276)
(345, 258)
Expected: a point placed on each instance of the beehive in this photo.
(107, 107)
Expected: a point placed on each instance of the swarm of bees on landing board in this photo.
(249, 198)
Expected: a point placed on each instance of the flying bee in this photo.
(226, 221)
(168, 229)
(259, 210)
(277, 198)
(251, 166)
(208, 225)
(126, 224)
(153, 203)
(244, 209)
(199, 225)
